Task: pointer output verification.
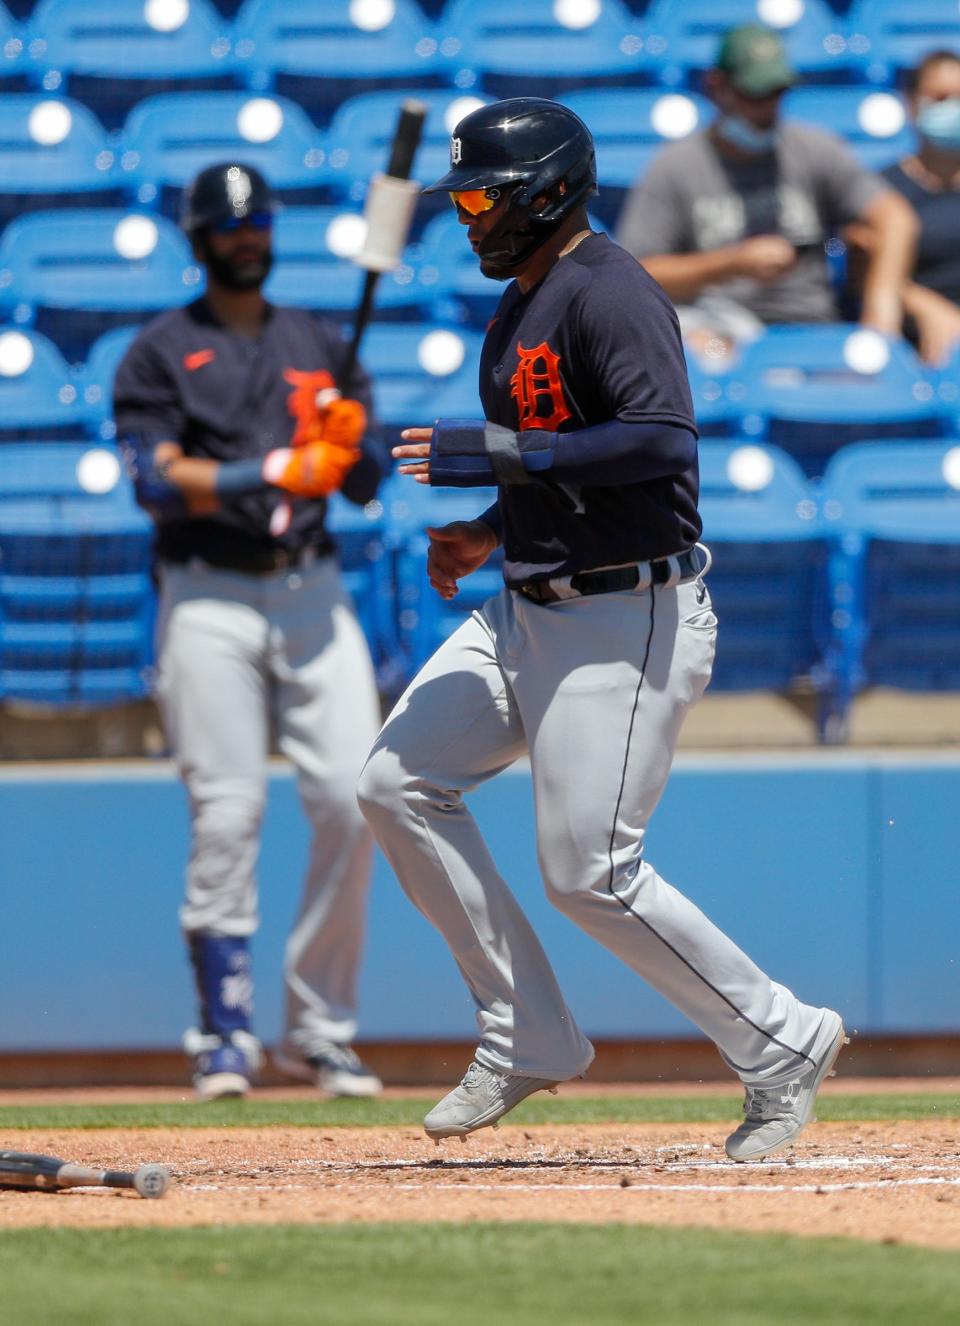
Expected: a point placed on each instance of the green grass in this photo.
(379, 1113)
(466, 1275)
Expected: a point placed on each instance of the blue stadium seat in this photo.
(360, 133)
(53, 152)
(361, 537)
(760, 522)
(314, 267)
(96, 395)
(892, 512)
(711, 407)
(39, 395)
(811, 389)
(12, 61)
(320, 53)
(684, 35)
(110, 55)
(77, 273)
(422, 373)
(629, 125)
(424, 619)
(948, 391)
(540, 47)
(169, 138)
(76, 596)
(887, 36)
(874, 123)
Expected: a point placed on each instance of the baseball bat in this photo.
(389, 211)
(389, 208)
(23, 1169)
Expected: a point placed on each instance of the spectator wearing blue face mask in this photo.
(930, 180)
(732, 220)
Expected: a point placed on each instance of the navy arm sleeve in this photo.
(468, 454)
(147, 410)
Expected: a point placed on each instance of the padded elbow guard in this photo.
(153, 490)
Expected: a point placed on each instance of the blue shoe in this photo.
(223, 1065)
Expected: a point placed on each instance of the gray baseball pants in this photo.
(595, 690)
(239, 654)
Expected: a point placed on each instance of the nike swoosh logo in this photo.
(197, 360)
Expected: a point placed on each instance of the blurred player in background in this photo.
(236, 436)
(732, 220)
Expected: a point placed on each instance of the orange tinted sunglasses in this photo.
(475, 201)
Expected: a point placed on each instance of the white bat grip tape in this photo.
(388, 212)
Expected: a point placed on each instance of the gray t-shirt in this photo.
(693, 199)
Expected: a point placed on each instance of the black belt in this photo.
(617, 579)
(261, 561)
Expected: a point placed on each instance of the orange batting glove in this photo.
(343, 422)
(316, 469)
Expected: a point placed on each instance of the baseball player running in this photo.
(601, 640)
(235, 437)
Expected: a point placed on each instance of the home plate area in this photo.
(891, 1181)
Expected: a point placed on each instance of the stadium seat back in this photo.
(760, 523)
(684, 35)
(888, 37)
(424, 620)
(814, 388)
(361, 131)
(314, 267)
(81, 271)
(76, 593)
(334, 40)
(110, 55)
(169, 138)
(99, 371)
(892, 512)
(873, 123)
(708, 389)
(539, 46)
(361, 538)
(12, 59)
(421, 373)
(166, 38)
(52, 150)
(38, 393)
(629, 125)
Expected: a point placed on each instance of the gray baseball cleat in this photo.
(332, 1067)
(775, 1116)
(481, 1099)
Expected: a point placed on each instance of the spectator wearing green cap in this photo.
(732, 220)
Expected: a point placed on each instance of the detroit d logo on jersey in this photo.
(537, 389)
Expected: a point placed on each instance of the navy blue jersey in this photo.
(224, 396)
(938, 254)
(596, 340)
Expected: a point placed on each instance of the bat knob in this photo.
(151, 1180)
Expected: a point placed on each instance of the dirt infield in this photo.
(892, 1182)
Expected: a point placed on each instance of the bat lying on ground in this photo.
(22, 1169)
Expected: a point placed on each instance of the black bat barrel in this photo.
(406, 139)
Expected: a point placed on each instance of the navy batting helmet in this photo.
(228, 191)
(538, 149)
